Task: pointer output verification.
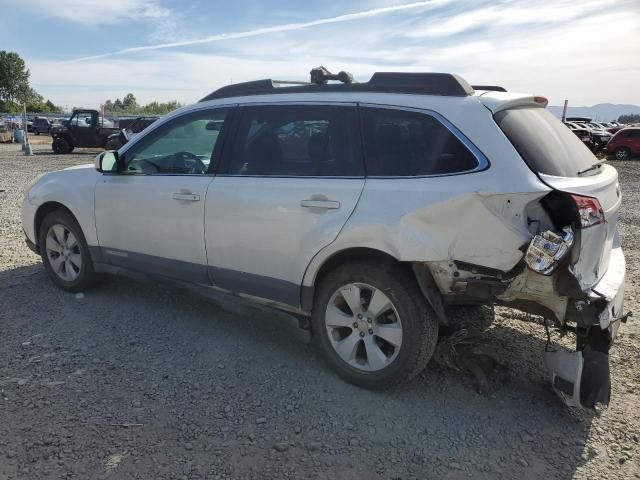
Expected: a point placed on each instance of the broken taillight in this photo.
(547, 249)
(589, 210)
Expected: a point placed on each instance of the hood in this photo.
(80, 167)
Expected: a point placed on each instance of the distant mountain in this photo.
(604, 112)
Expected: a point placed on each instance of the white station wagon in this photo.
(365, 209)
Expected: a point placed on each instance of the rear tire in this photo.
(396, 330)
(65, 253)
(622, 153)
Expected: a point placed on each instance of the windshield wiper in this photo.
(591, 168)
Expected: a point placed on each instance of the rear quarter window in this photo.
(401, 143)
(544, 143)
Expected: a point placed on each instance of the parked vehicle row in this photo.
(85, 128)
(599, 135)
(364, 209)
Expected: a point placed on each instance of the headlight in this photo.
(27, 191)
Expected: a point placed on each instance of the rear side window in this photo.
(297, 141)
(544, 143)
(407, 144)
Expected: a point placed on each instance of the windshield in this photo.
(544, 143)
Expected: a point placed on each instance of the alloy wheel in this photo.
(363, 327)
(63, 252)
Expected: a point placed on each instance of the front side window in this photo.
(297, 140)
(407, 144)
(184, 145)
(83, 120)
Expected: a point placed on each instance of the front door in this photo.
(84, 129)
(150, 217)
(289, 184)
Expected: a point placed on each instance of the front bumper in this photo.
(32, 246)
(582, 378)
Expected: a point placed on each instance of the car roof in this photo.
(428, 83)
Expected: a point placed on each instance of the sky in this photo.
(82, 52)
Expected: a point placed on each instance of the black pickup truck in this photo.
(85, 128)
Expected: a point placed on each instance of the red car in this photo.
(625, 143)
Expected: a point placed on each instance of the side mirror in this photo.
(107, 162)
(213, 126)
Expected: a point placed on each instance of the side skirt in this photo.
(256, 289)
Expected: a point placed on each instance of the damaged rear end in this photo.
(574, 268)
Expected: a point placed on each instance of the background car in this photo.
(41, 125)
(625, 144)
(85, 128)
(599, 136)
(130, 128)
(581, 132)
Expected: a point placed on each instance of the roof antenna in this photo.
(320, 76)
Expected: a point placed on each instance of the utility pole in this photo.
(26, 146)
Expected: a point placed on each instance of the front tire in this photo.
(373, 325)
(65, 253)
(61, 146)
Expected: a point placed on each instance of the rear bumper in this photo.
(583, 378)
(611, 288)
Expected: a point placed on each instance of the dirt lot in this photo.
(146, 381)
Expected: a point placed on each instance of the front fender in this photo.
(74, 189)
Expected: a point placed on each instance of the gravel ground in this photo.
(136, 380)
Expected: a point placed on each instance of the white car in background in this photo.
(364, 208)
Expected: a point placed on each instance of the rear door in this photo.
(565, 164)
(633, 138)
(288, 185)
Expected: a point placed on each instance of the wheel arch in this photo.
(44, 210)
(312, 277)
(63, 135)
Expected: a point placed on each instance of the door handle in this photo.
(319, 202)
(185, 197)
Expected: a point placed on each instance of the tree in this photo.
(15, 89)
(632, 118)
(53, 108)
(129, 103)
(14, 78)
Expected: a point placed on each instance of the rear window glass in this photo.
(544, 142)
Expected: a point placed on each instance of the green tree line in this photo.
(129, 105)
(15, 89)
(631, 118)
